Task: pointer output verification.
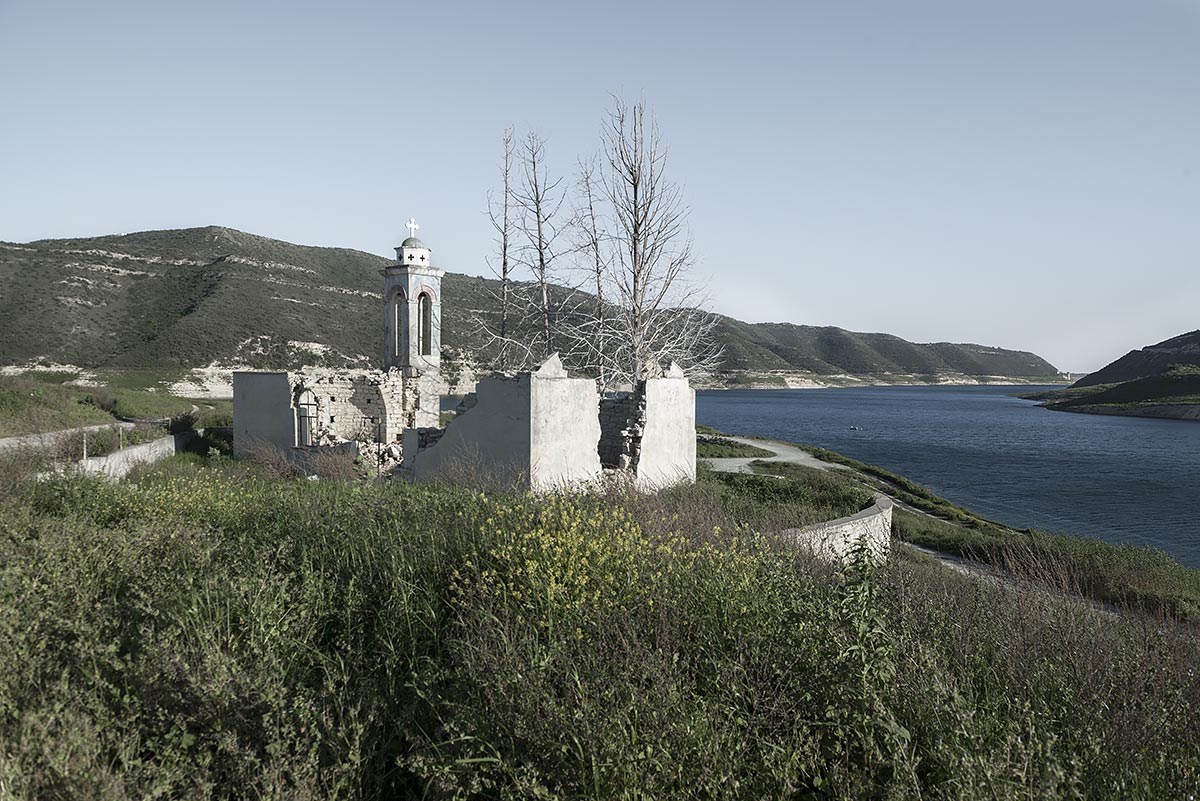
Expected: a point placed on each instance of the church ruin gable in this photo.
(327, 408)
(539, 430)
(544, 430)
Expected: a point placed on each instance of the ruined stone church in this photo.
(543, 429)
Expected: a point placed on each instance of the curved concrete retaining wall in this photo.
(835, 540)
(119, 463)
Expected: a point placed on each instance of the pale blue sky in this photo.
(1017, 173)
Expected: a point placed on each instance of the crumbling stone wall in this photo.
(622, 417)
(369, 406)
(666, 452)
(353, 406)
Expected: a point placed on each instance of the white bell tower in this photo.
(412, 304)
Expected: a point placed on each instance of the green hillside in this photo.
(187, 298)
(1178, 385)
(1150, 361)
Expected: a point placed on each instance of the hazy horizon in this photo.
(1015, 174)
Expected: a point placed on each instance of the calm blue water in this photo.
(1120, 479)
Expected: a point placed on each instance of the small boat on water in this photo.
(856, 428)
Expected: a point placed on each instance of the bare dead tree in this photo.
(627, 233)
(538, 200)
(500, 216)
(660, 308)
(592, 246)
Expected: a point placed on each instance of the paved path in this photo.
(783, 453)
(49, 438)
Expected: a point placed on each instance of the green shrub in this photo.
(101, 398)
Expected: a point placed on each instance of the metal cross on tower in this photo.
(412, 226)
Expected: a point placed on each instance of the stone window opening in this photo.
(425, 332)
(306, 406)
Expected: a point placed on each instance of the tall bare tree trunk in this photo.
(539, 200)
(593, 243)
(505, 266)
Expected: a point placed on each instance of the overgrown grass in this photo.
(30, 406)
(205, 632)
(713, 447)
(39, 402)
(770, 503)
(1125, 576)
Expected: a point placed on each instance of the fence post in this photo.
(85, 433)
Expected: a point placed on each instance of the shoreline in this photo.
(208, 382)
(1000, 381)
(1184, 412)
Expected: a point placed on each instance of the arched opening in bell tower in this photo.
(425, 331)
(398, 322)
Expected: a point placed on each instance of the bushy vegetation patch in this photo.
(791, 497)
(204, 632)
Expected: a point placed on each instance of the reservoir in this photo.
(1120, 479)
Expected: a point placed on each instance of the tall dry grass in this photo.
(205, 632)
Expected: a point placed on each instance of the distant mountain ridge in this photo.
(192, 297)
(1149, 361)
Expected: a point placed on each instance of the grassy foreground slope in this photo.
(203, 631)
(186, 298)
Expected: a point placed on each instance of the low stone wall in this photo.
(50, 439)
(833, 541)
(119, 463)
